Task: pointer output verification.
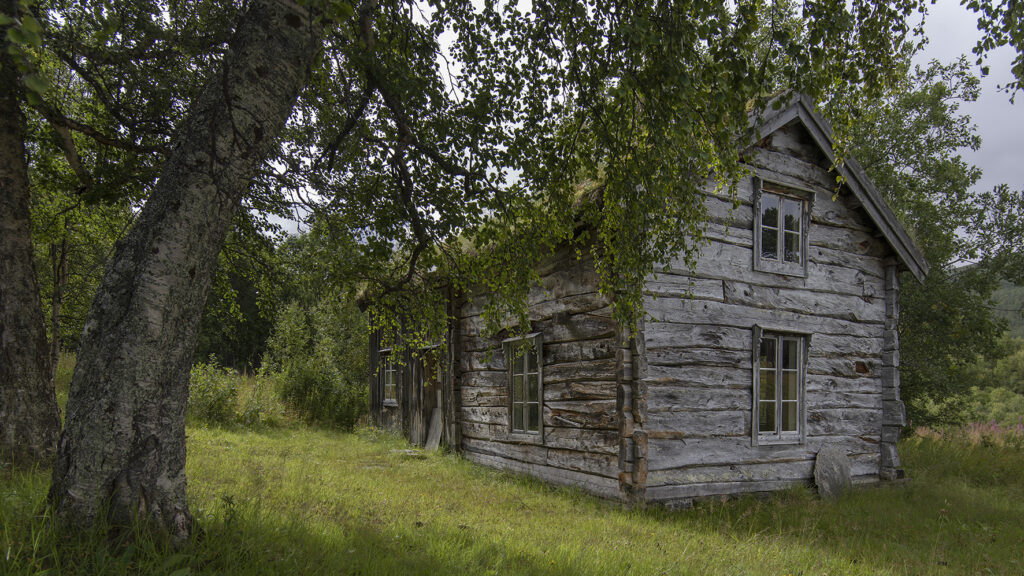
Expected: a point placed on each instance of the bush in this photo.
(1004, 369)
(996, 405)
(261, 407)
(212, 393)
(290, 339)
(318, 393)
(318, 358)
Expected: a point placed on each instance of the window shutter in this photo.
(756, 200)
(756, 388)
(538, 345)
(506, 350)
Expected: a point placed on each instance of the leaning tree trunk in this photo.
(29, 421)
(123, 448)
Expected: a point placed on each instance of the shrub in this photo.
(999, 405)
(212, 393)
(318, 358)
(261, 407)
(289, 340)
(317, 392)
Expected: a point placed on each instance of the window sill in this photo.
(778, 440)
(526, 437)
(783, 269)
(391, 403)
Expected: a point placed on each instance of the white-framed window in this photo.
(779, 377)
(781, 217)
(388, 376)
(524, 362)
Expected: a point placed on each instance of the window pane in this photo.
(792, 247)
(790, 381)
(789, 416)
(790, 353)
(767, 352)
(517, 388)
(769, 226)
(517, 417)
(534, 412)
(791, 210)
(770, 210)
(532, 388)
(766, 417)
(530, 354)
(767, 388)
(769, 244)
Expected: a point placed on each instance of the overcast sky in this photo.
(952, 31)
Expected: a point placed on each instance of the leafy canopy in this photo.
(427, 128)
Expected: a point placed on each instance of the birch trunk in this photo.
(29, 423)
(123, 448)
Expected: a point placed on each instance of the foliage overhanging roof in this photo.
(800, 107)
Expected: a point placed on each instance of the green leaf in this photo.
(6, 20)
(35, 83)
(345, 9)
(34, 99)
(30, 24)
(16, 36)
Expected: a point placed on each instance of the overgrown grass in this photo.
(219, 396)
(320, 502)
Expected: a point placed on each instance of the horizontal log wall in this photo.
(698, 339)
(580, 443)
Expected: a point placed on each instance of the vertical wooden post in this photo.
(376, 399)
(893, 411)
(631, 409)
(451, 398)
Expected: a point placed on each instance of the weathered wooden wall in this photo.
(698, 363)
(580, 441)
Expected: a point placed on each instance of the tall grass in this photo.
(320, 502)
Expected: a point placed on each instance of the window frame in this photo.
(799, 436)
(508, 344)
(782, 191)
(387, 365)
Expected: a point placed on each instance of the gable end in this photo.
(802, 108)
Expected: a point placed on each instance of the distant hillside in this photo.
(1009, 299)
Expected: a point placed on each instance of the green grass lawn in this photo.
(315, 502)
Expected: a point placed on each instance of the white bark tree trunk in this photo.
(29, 422)
(123, 448)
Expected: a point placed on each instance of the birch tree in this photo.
(29, 422)
(124, 438)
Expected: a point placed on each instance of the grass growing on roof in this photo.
(296, 501)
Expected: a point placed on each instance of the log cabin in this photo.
(782, 339)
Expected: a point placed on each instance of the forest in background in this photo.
(1009, 305)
